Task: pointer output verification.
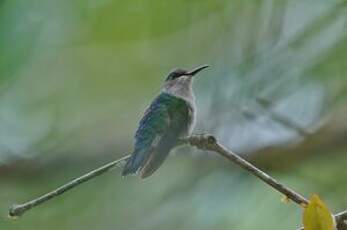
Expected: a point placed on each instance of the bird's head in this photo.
(180, 80)
(179, 74)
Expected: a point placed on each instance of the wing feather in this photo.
(163, 123)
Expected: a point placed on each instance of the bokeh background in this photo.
(76, 75)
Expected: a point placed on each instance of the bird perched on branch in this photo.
(170, 116)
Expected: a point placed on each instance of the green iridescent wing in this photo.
(164, 122)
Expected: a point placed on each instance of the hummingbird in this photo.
(169, 117)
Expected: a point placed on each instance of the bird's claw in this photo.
(202, 141)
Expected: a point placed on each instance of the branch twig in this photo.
(203, 142)
(207, 142)
(341, 220)
(17, 210)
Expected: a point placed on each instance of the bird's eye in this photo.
(175, 75)
(172, 76)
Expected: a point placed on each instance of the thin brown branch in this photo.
(203, 142)
(17, 210)
(209, 143)
(341, 220)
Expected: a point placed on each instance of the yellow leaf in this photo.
(317, 216)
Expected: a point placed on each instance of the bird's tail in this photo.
(154, 161)
(133, 164)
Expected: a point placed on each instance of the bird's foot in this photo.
(202, 141)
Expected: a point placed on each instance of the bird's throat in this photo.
(182, 88)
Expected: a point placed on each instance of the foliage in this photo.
(317, 215)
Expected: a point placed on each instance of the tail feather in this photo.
(133, 164)
(146, 162)
(155, 160)
(157, 157)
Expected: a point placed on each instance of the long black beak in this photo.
(197, 70)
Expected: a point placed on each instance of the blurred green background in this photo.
(76, 75)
